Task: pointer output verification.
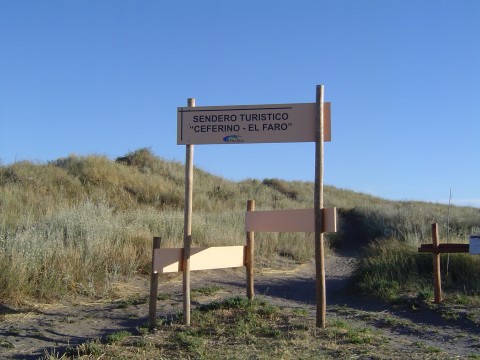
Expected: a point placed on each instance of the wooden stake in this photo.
(437, 278)
(152, 311)
(318, 205)
(249, 251)
(187, 227)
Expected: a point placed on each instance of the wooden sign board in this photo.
(299, 220)
(243, 124)
(170, 259)
(474, 247)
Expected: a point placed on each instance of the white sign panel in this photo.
(218, 257)
(243, 124)
(299, 220)
(474, 247)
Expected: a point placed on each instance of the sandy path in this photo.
(26, 334)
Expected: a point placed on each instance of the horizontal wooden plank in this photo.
(299, 220)
(444, 248)
(219, 257)
(167, 260)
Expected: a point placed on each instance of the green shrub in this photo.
(391, 268)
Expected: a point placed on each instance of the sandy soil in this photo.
(29, 333)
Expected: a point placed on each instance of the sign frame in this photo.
(319, 133)
(249, 124)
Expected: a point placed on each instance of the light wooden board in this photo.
(243, 124)
(299, 220)
(220, 257)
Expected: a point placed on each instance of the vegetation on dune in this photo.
(396, 272)
(77, 224)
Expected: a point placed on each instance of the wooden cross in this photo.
(436, 249)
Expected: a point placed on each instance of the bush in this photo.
(143, 159)
(392, 268)
(282, 187)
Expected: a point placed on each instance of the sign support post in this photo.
(152, 308)
(187, 226)
(437, 279)
(318, 206)
(249, 253)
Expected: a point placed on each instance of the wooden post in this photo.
(437, 279)
(187, 227)
(249, 251)
(152, 311)
(318, 205)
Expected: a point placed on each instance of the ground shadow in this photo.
(339, 295)
(5, 310)
(54, 330)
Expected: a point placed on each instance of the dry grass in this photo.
(77, 224)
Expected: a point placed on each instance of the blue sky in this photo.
(106, 77)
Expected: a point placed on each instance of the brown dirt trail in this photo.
(29, 333)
